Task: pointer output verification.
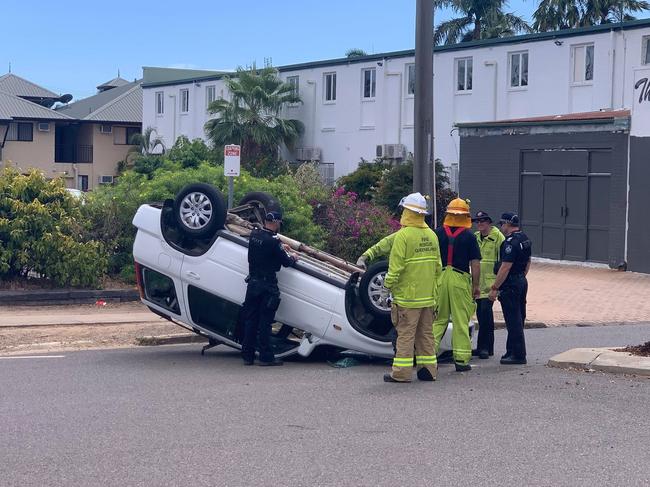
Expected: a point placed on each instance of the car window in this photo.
(160, 290)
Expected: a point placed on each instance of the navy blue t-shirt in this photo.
(466, 248)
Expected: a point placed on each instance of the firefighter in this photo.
(511, 287)
(489, 240)
(380, 249)
(458, 288)
(266, 255)
(413, 271)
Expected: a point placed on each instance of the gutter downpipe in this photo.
(627, 198)
(313, 113)
(494, 84)
(612, 66)
(174, 120)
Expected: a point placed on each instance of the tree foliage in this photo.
(567, 14)
(253, 119)
(42, 233)
(478, 19)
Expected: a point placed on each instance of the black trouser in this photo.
(261, 303)
(513, 303)
(485, 341)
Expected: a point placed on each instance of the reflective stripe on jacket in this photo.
(414, 268)
(489, 246)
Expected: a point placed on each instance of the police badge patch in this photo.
(508, 249)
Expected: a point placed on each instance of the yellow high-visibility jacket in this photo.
(381, 248)
(489, 246)
(414, 267)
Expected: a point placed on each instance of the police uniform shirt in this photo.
(517, 249)
(265, 253)
(466, 249)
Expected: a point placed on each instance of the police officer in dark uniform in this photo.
(266, 255)
(511, 286)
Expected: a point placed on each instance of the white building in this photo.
(352, 106)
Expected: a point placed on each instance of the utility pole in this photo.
(423, 167)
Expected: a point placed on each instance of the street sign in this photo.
(231, 158)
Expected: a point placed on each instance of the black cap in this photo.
(481, 215)
(511, 218)
(274, 216)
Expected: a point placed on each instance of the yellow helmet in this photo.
(458, 206)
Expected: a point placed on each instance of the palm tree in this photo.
(252, 118)
(480, 19)
(355, 52)
(567, 14)
(144, 144)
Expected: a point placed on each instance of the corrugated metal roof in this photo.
(15, 85)
(125, 108)
(114, 83)
(14, 107)
(568, 118)
(114, 105)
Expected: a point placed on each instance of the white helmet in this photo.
(415, 202)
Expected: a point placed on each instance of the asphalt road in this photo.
(167, 416)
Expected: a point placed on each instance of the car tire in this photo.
(371, 290)
(199, 210)
(262, 204)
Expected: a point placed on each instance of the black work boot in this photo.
(390, 378)
(510, 360)
(425, 375)
(463, 367)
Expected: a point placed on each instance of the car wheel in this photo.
(261, 204)
(199, 210)
(373, 294)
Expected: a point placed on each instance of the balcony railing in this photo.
(73, 153)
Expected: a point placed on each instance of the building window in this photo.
(21, 132)
(82, 182)
(105, 129)
(160, 102)
(518, 69)
(124, 135)
(645, 50)
(583, 63)
(330, 87)
(185, 101)
(369, 78)
(294, 82)
(210, 95)
(410, 79)
(464, 72)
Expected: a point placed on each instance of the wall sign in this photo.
(641, 103)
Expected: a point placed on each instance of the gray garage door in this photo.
(565, 203)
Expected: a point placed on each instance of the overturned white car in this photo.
(191, 262)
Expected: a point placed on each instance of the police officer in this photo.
(511, 286)
(266, 255)
(489, 240)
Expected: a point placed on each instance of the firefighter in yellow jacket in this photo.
(413, 271)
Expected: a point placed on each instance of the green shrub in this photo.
(42, 231)
(310, 184)
(365, 180)
(398, 182)
(192, 153)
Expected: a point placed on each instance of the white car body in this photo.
(310, 301)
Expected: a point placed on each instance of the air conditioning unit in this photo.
(43, 126)
(106, 179)
(391, 151)
(105, 129)
(308, 154)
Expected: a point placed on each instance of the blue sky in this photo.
(72, 46)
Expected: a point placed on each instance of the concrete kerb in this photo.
(603, 360)
(66, 296)
(147, 341)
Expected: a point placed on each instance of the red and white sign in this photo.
(231, 160)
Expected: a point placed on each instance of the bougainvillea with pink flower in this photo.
(353, 225)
